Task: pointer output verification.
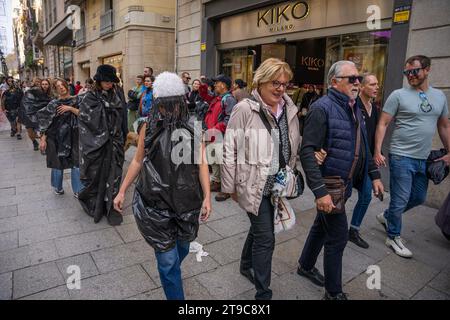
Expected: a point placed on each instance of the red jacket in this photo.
(215, 117)
(78, 88)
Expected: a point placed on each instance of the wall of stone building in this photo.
(189, 37)
(148, 47)
(139, 47)
(429, 35)
(143, 38)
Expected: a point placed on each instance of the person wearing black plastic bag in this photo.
(34, 99)
(10, 102)
(442, 218)
(58, 125)
(103, 128)
(172, 192)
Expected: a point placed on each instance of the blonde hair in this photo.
(269, 70)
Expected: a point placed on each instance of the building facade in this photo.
(128, 34)
(27, 33)
(58, 40)
(234, 37)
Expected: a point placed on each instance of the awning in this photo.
(60, 34)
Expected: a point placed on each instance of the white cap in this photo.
(168, 84)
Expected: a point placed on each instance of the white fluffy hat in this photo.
(168, 84)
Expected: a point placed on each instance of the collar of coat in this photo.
(291, 108)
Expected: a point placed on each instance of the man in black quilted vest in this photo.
(334, 123)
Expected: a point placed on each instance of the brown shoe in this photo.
(215, 186)
(222, 196)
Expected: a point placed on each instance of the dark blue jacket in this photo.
(332, 127)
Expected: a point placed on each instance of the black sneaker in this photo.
(19, 137)
(339, 296)
(12, 134)
(249, 274)
(313, 275)
(353, 236)
(35, 145)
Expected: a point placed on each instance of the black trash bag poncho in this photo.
(442, 218)
(168, 196)
(33, 100)
(101, 153)
(437, 171)
(62, 134)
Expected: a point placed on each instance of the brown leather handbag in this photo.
(336, 188)
(335, 184)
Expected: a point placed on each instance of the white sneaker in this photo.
(381, 219)
(399, 248)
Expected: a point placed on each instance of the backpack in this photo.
(222, 104)
(201, 107)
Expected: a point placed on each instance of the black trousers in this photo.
(331, 232)
(258, 248)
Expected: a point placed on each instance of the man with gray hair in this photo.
(335, 124)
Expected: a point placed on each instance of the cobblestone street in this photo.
(41, 234)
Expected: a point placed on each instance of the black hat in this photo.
(223, 78)
(106, 72)
(241, 83)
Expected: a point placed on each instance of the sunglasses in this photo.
(425, 106)
(352, 79)
(412, 72)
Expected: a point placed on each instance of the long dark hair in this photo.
(49, 92)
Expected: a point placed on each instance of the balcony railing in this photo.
(106, 22)
(80, 36)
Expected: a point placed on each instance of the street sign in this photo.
(402, 14)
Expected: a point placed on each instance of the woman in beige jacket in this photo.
(252, 158)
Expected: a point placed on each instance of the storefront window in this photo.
(368, 50)
(238, 64)
(117, 62)
(65, 61)
(310, 59)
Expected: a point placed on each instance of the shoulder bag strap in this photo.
(357, 149)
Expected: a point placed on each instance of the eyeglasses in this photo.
(412, 72)
(425, 106)
(352, 79)
(276, 84)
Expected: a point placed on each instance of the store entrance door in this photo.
(238, 64)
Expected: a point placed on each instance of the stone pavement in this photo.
(41, 234)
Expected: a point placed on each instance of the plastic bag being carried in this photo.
(437, 171)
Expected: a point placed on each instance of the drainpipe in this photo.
(176, 38)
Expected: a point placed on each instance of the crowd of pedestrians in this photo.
(252, 143)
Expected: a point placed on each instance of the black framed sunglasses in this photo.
(425, 105)
(352, 79)
(412, 72)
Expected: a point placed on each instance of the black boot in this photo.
(353, 236)
(35, 145)
(339, 296)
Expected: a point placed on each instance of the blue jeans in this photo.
(57, 179)
(408, 184)
(169, 267)
(364, 198)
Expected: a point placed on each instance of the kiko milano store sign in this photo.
(296, 16)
